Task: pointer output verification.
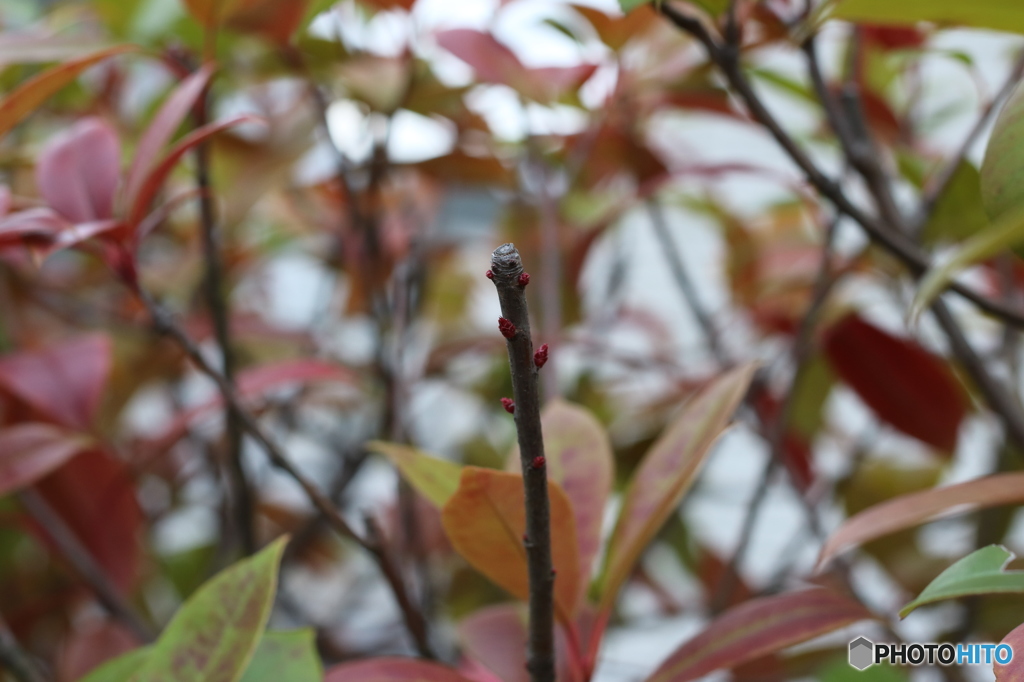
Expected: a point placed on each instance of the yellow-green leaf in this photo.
(1000, 15)
(959, 213)
(434, 478)
(286, 655)
(215, 633)
(666, 473)
(485, 521)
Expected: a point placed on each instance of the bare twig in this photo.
(83, 563)
(510, 281)
(413, 619)
(16, 660)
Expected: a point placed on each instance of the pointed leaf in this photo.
(79, 169)
(32, 227)
(496, 637)
(666, 473)
(214, 635)
(64, 382)
(30, 451)
(904, 384)
(912, 510)
(1002, 170)
(759, 627)
(492, 61)
(485, 521)
(286, 655)
(979, 572)
(959, 212)
(162, 129)
(392, 670)
(158, 175)
(434, 478)
(579, 458)
(33, 92)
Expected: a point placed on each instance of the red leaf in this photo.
(33, 226)
(892, 37)
(30, 451)
(392, 670)
(96, 498)
(759, 627)
(162, 128)
(79, 169)
(64, 382)
(492, 61)
(1014, 670)
(158, 175)
(906, 386)
(496, 637)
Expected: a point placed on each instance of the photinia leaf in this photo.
(434, 478)
(392, 670)
(579, 458)
(34, 226)
(904, 384)
(65, 382)
(759, 627)
(78, 171)
(214, 635)
(959, 212)
(666, 473)
(1002, 171)
(1004, 233)
(158, 175)
(496, 637)
(275, 20)
(1000, 15)
(162, 128)
(912, 510)
(485, 521)
(1012, 671)
(979, 572)
(30, 451)
(33, 92)
(286, 655)
(630, 5)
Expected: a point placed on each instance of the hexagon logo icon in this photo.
(862, 653)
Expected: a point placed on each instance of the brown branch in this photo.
(15, 659)
(510, 281)
(898, 244)
(242, 504)
(413, 619)
(83, 563)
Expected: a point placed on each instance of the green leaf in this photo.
(121, 668)
(286, 655)
(666, 473)
(1005, 233)
(630, 5)
(435, 478)
(214, 635)
(980, 572)
(1000, 15)
(1002, 171)
(959, 213)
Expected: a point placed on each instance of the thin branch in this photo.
(898, 244)
(413, 619)
(243, 508)
(15, 659)
(83, 563)
(685, 284)
(510, 281)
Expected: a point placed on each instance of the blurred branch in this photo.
(510, 281)
(16, 660)
(726, 57)
(83, 563)
(414, 621)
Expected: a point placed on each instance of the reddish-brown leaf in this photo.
(1014, 670)
(666, 473)
(914, 509)
(33, 92)
(392, 670)
(759, 627)
(496, 637)
(65, 382)
(906, 386)
(485, 521)
(95, 496)
(30, 451)
(79, 169)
